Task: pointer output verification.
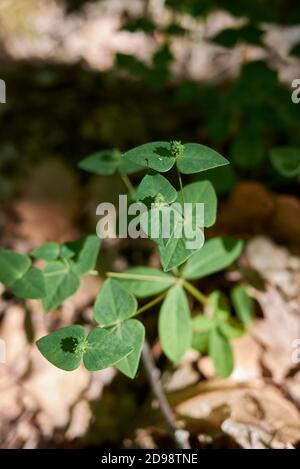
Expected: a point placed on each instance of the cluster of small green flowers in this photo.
(176, 148)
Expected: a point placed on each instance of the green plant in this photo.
(118, 336)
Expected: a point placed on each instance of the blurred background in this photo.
(82, 76)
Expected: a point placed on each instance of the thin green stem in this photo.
(151, 303)
(195, 292)
(181, 185)
(150, 278)
(128, 184)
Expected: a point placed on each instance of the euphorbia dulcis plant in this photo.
(118, 334)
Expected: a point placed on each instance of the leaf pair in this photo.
(66, 347)
(177, 228)
(117, 342)
(160, 157)
(65, 265)
(17, 273)
(59, 279)
(115, 306)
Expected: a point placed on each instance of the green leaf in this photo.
(154, 186)
(231, 328)
(31, 285)
(286, 160)
(132, 332)
(219, 305)
(220, 351)
(243, 304)
(113, 304)
(145, 281)
(176, 244)
(216, 255)
(175, 251)
(64, 347)
(203, 323)
(48, 251)
(197, 158)
(200, 341)
(202, 192)
(127, 167)
(102, 163)
(154, 155)
(175, 325)
(12, 266)
(61, 282)
(107, 162)
(223, 178)
(84, 253)
(105, 348)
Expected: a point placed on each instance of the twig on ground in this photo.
(180, 437)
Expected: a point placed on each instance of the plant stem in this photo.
(179, 436)
(195, 292)
(181, 185)
(151, 303)
(128, 184)
(130, 276)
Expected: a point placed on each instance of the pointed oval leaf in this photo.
(12, 266)
(243, 304)
(154, 185)
(31, 285)
(61, 282)
(84, 253)
(216, 255)
(127, 167)
(175, 324)
(220, 351)
(113, 304)
(47, 252)
(131, 332)
(202, 325)
(219, 305)
(154, 155)
(64, 347)
(107, 162)
(105, 348)
(197, 158)
(202, 192)
(232, 329)
(145, 281)
(177, 250)
(103, 163)
(177, 236)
